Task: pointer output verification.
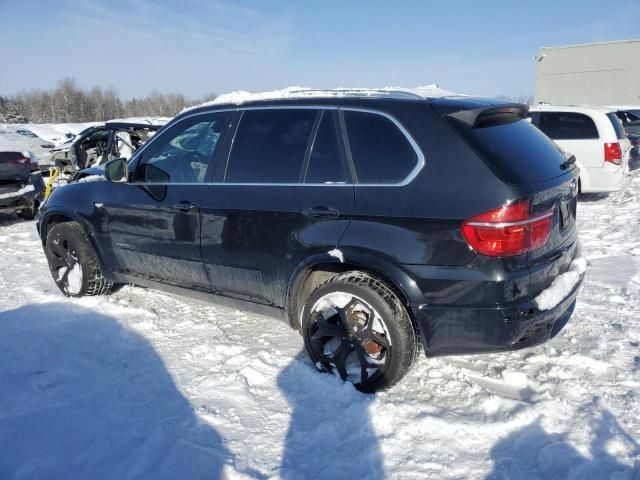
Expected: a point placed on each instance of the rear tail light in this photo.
(27, 158)
(508, 231)
(613, 153)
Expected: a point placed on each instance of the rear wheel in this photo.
(354, 325)
(73, 262)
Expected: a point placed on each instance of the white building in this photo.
(606, 73)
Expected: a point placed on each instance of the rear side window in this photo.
(617, 126)
(568, 126)
(381, 153)
(517, 152)
(325, 163)
(270, 146)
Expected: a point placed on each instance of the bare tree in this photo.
(68, 102)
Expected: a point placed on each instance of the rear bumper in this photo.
(609, 178)
(457, 331)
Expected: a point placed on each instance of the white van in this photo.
(595, 136)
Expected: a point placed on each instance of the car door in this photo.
(154, 220)
(285, 196)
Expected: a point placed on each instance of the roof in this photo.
(571, 108)
(578, 45)
(9, 146)
(115, 124)
(140, 120)
(623, 107)
(242, 97)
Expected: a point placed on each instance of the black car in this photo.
(21, 183)
(375, 224)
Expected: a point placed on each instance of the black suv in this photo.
(374, 224)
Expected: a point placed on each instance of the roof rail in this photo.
(358, 92)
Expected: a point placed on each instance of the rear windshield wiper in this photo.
(568, 162)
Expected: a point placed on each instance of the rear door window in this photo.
(326, 164)
(567, 126)
(617, 125)
(270, 146)
(381, 152)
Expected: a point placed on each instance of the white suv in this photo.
(595, 136)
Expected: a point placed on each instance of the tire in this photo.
(73, 262)
(29, 213)
(369, 340)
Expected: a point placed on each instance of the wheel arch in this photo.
(53, 217)
(317, 269)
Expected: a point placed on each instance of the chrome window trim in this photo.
(512, 224)
(421, 161)
(420, 156)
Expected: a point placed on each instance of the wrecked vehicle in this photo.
(98, 144)
(34, 144)
(21, 183)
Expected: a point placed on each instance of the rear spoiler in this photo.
(491, 116)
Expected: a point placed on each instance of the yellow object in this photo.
(54, 172)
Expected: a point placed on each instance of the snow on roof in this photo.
(7, 145)
(241, 96)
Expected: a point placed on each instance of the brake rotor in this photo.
(358, 320)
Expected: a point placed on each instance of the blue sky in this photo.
(197, 47)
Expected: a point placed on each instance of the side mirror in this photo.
(117, 170)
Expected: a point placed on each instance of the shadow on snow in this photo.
(91, 399)
(330, 433)
(533, 453)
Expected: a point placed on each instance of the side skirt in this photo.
(207, 296)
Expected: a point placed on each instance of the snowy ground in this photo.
(145, 385)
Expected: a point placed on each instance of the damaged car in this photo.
(98, 144)
(21, 183)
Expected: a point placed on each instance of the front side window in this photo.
(568, 126)
(270, 146)
(185, 152)
(381, 153)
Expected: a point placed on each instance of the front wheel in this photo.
(355, 325)
(73, 263)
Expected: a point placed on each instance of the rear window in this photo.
(517, 152)
(617, 126)
(10, 156)
(381, 153)
(568, 126)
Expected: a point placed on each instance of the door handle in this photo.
(185, 206)
(320, 212)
